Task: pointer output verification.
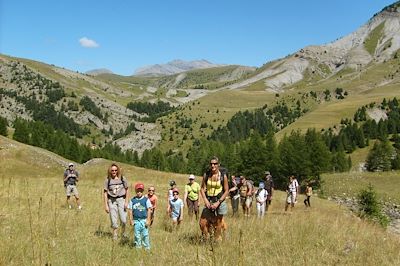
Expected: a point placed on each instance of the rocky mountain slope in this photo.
(364, 60)
(173, 67)
(373, 43)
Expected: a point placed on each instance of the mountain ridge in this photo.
(174, 67)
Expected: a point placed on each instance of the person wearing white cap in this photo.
(71, 177)
(191, 197)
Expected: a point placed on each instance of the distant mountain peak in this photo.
(173, 67)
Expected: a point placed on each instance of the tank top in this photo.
(214, 187)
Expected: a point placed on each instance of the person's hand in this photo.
(147, 223)
(208, 204)
(181, 219)
(125, 206)
(107, 209)
(131, 222)
(215, 205)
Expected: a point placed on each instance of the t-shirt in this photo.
(245, 188)
(193, 191)
(72, 175)
(153, 200)
(117, 187)
(269, 183)
(139, 207)
(176, 205)
(262, 195)
(293, 186)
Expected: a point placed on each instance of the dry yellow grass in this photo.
(37, 228)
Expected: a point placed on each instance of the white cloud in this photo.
(88, 43)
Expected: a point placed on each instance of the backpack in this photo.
(68, 173)
(109, 180)
(224, 172)
(253, 188)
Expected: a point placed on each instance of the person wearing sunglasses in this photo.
(214, 190)
(116, 198)
(153, 200)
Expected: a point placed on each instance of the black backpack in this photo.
(109, 180)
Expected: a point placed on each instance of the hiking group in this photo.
(213, 191)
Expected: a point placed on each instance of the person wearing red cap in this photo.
(175, 208)
(139, 209)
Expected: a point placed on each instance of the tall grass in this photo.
(37, 228)
(41, 229)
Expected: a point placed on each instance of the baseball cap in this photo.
(191, 177)
(172, 183)
(139, 186)
(175, 190)
(261, 185)
(70, 164)
(267, 173)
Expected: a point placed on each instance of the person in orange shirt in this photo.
(153, 200)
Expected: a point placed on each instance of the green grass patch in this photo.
(372, 40)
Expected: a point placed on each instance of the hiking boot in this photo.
(115, 237)
(125, 235)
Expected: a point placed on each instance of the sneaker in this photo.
(79, 207)
(115, 237)
(69, 207)
(125, 235)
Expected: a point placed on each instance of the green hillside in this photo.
(38, 228)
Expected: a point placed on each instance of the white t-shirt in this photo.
(262, 195)
(293, 186)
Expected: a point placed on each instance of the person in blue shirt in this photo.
(139, 208)
(175, 208)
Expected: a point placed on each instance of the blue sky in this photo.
(122, 35)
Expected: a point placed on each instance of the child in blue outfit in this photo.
(139, 209)
(175, 208)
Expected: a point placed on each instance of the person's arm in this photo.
(105, 198)
(185, 195)
(149, 207)
(203, 193)
(65, 176)
(77, 176)
(130, 215)
(126, 197)
(181, 213)
(249, 189)
(155, 203)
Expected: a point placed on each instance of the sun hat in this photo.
(191, 177)
(172, 183)
(70, 164)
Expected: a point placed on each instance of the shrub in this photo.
(370, 207)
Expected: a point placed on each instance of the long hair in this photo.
(119, 172)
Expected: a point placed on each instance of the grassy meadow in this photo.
(386, 184)
(37, 228)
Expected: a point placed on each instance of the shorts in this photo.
(71, 189)
(291, 198)
(193, 205)
(221, 210)
(247, 201)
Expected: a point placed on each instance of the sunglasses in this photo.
(114, 170)
(151, 190)
(213, 163)
(176, 194)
